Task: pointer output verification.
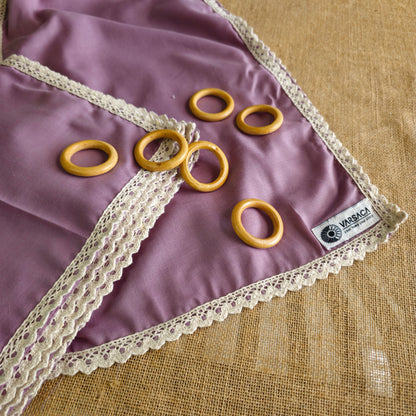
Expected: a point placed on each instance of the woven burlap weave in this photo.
(347, 345)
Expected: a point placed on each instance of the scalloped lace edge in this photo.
(43, 349)
(120, 350)
(139, 116)
(43, 337)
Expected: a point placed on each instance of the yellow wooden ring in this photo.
(244, 235)
(216, 92)
(76, 147)
(259, 131)
(167, 164)
(222, 177)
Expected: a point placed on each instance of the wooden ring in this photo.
(76, 147)
(259, 131)
(216, 92)
(222, 177)
(167, 164)
(245, 235)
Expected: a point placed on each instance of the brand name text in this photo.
(365, 212)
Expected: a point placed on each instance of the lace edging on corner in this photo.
(121, 349)
(269, 61)
(42, 339)
(139, 116)
(20, 388)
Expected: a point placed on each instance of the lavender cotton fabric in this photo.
(69, 69)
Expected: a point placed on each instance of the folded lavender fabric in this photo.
(91, 271)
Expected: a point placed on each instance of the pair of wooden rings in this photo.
(181, 158)
(242, 115)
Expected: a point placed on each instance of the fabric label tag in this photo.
(346, 224)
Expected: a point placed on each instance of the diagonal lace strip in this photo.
(84, 294)
(121, 349)
(42, 339)
(141, 117)
(267, 58)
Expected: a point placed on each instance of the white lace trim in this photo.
(33, 355)
(269, 61)
(141, 117)
(42, 339)
(120, 350)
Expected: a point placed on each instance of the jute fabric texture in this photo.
(347, 344)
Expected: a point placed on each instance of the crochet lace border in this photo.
(42, 339)
(120, 350)
(36, 352)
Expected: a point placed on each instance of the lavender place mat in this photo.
(89, 288)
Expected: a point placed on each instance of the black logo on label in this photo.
(331, 233)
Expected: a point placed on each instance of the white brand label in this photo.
(346, 224)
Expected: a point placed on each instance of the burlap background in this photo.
(346, 345)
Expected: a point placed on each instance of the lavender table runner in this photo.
(91, 271)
